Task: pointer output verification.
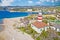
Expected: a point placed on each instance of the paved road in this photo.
(11, 34)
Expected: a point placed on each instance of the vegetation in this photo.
(45, 21)
(44, 34)
(57, 21)
(51, 18)
(28, 30)
(33, 33)
(56, 38)
(38, 38)
(29, 17)
(58, 33)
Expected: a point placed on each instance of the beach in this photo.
(9, 33)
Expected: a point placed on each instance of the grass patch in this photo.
(58, 33)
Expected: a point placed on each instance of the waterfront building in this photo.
(38, 25)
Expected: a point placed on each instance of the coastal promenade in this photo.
(9, 33)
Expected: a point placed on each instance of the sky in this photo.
(29, 2)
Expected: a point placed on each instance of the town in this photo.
(44, 25)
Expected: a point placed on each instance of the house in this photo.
(38, 25)
(24, 22)
(56, 27)
(29, 10)
(58, 16)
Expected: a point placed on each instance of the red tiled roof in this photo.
(39, 24)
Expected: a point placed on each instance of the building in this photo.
(56, 27)
(24, 22)
(29, 10)
(38, 25)
(58, 16)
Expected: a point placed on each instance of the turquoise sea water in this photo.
(7, 14)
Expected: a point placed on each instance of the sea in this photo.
(8, 14)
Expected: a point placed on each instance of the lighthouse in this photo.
(38, 25)
(39, 17)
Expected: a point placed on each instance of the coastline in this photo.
(11, 21)
(15, 18)
(12, 33)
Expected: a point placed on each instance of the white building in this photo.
(29, 10)
(56, 27)
(39, 26)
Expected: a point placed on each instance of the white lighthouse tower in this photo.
(40, 17)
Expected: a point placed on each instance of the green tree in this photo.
(44, 34)
(38, 38)
(45, 21)
(52, 18)
(55, 38)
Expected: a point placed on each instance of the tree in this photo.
(38, 38)
(44, 34)
(52, 18)
(45, 21)
(56, 38)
